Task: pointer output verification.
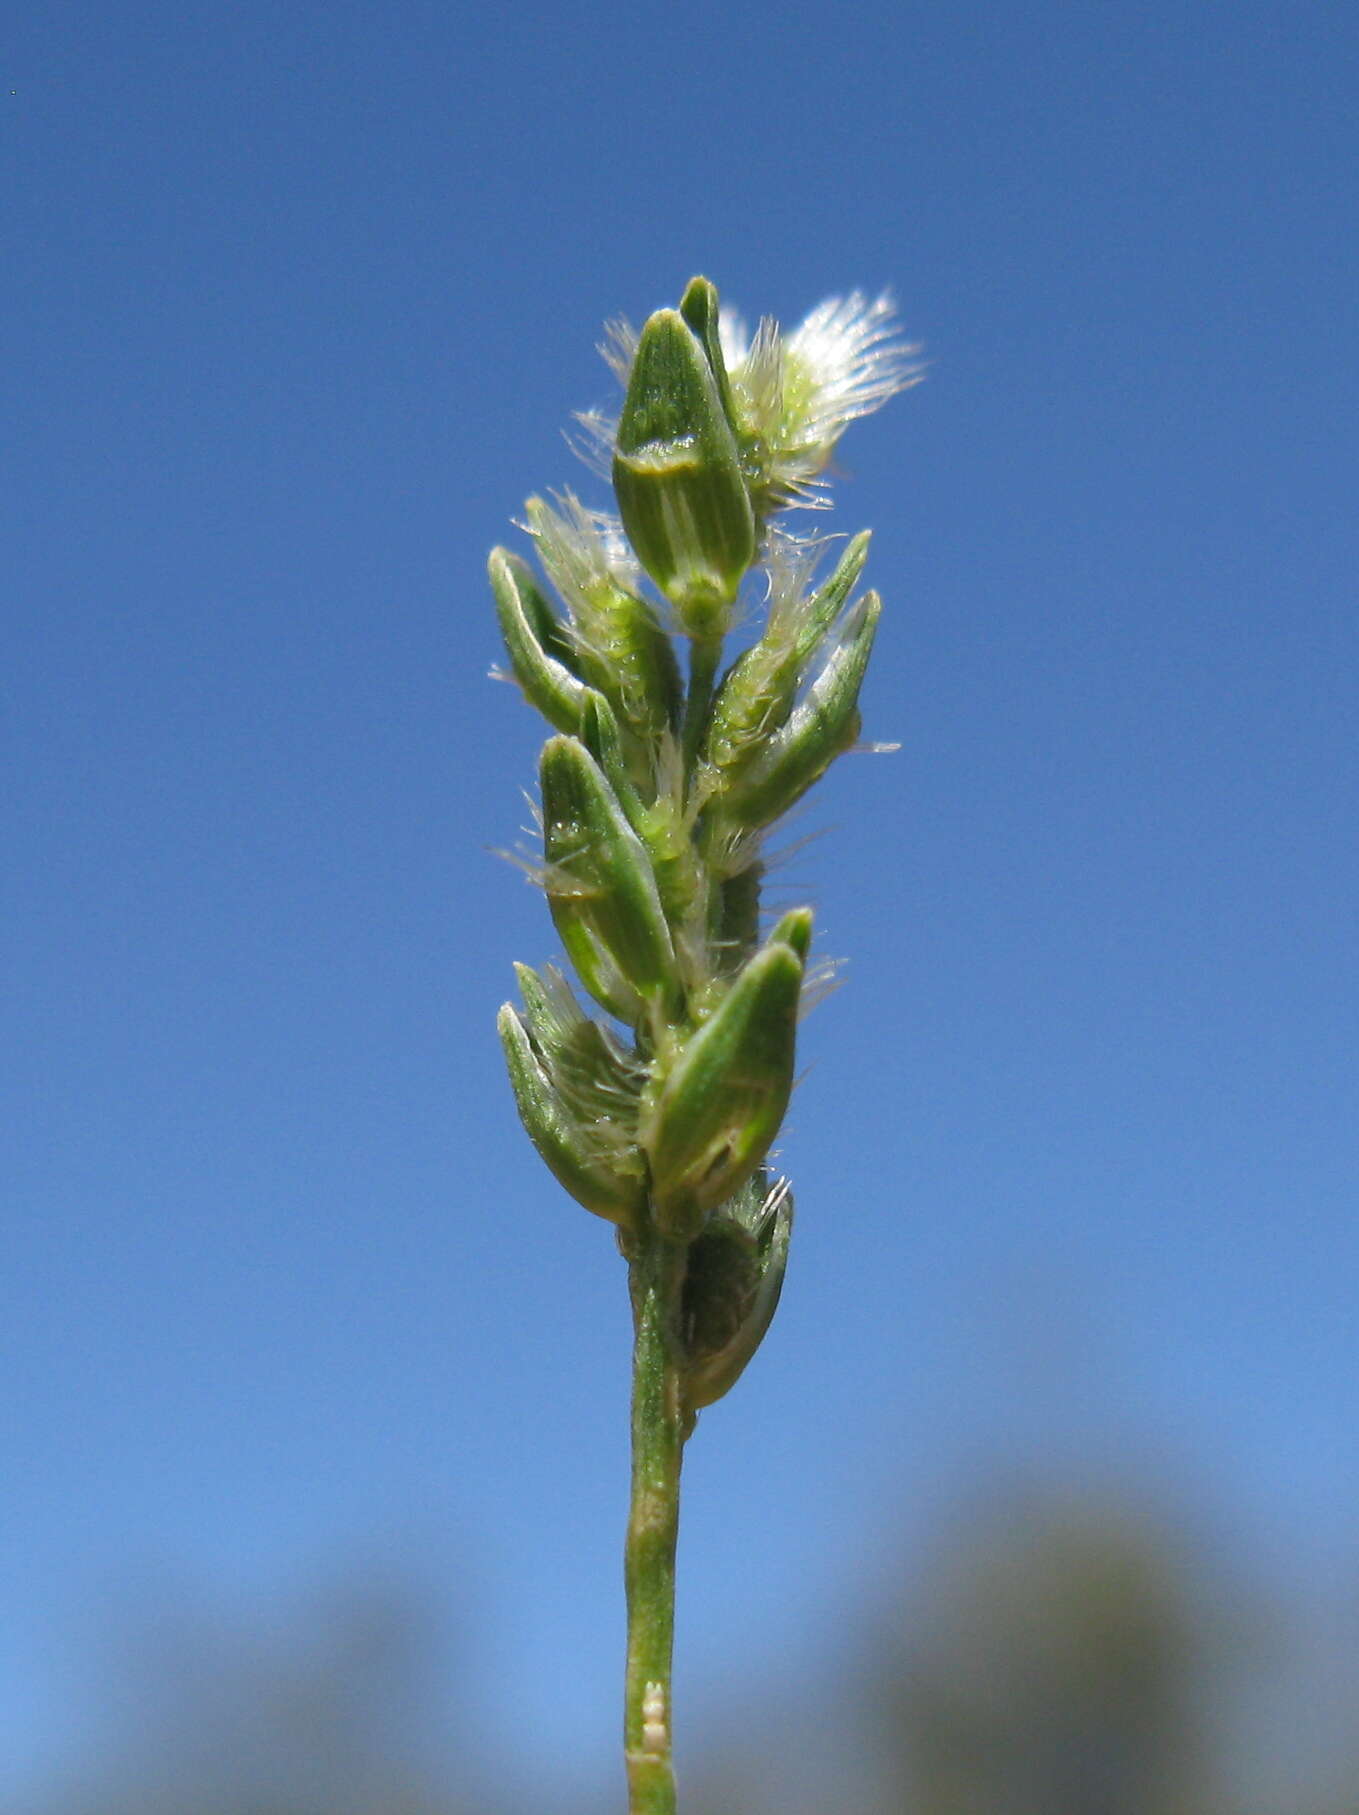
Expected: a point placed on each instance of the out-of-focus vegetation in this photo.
(1048, 1655)
(1061, 1663)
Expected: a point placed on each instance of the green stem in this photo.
(657, 1280)
(704, 656)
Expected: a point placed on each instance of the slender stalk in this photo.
(657, 1280)
(704, 656)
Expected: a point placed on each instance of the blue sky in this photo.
(297, 303)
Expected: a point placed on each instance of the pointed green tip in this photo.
(795, 930)
(667, 394)
(699, 305)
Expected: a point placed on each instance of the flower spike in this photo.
(659, 1113)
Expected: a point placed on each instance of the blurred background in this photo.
(1041, 1495)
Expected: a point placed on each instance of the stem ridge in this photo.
(657, 1285)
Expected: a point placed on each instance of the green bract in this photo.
(761, 688)
(539, 651)
(722, 1099)
(823, 725)
(614, 641)
(677, 476)
(732, 1287)
(606, 1175)
(600, 882)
